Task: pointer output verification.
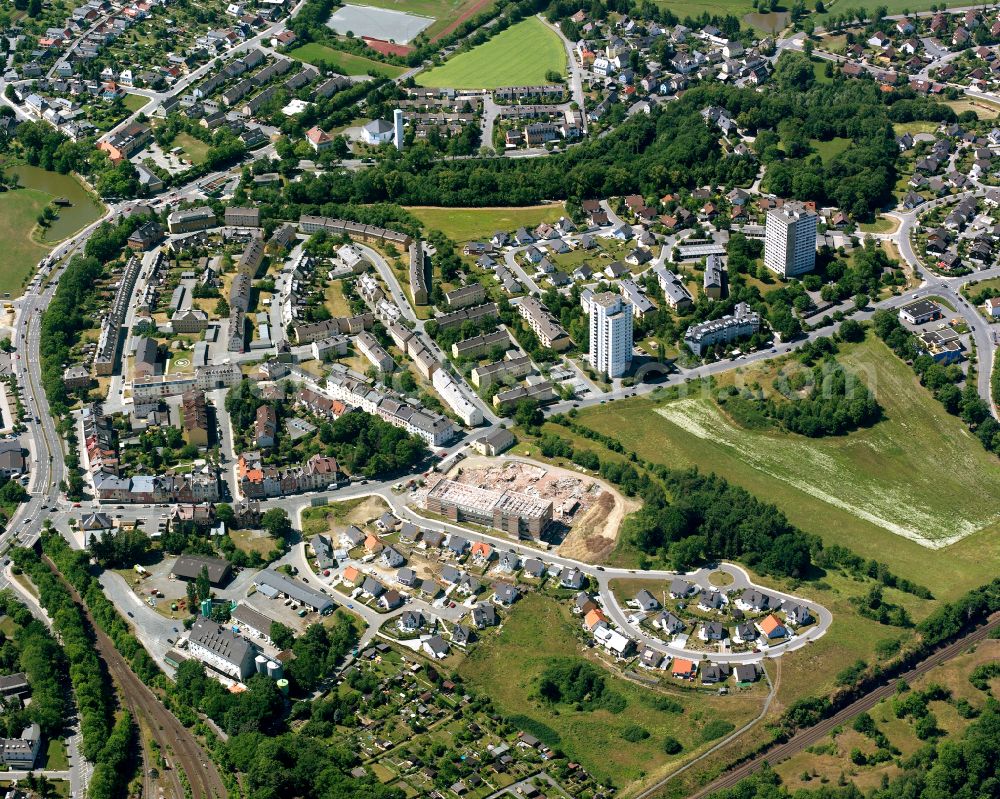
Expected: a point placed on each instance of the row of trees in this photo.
(707, 517)
(62, 323)
(90, 683)
(34, 651)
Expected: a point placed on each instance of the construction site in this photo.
(525, 500)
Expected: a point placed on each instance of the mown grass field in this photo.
(467, 224)
(18, 211)
(695, 8)
(520, 55)
(347, 63)
(133, 102)
(538, 630)
(898, 492)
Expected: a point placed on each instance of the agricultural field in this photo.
(984, 109)
(915, 490)
(826, 761)
(347, 63)
(521, 55)
(541, 631)
(468, 224)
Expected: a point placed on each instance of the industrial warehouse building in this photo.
(188, 567)
(271, 584)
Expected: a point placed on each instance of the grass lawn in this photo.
(518, 56)
(882, 224)
(971, 289)
(253, 541)
(467, 224)
(347, 63)
(133, 102)
(695, 8)
(819, 71)
(358, 511)
(55, 756)
(828, 150)
(915, 490)
(913, 128)
(18, 211)
(539, 630)
(194, 149)
(335, 300)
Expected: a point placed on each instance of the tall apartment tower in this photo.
(397, 128)
(790, 240)
(610, 334)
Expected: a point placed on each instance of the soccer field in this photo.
(518, 56)
(915, 490)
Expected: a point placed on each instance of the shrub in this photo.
(716, 728)
(633, 733)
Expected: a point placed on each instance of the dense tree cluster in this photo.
(119, 548)
(576, 682)
(365, 444)
(827, 401)
(91, 685)
(688, 517)
(873, 605)
(300, 765)
(34, 651)
(318, 650)
(62, 323)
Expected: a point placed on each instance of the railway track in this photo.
(187, 756)
(816, 733)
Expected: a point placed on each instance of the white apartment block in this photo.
(610, 334)
(790, 240)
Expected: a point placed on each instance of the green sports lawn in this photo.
(520, 55)
(467, 224)
(348, 63)
(916, 490)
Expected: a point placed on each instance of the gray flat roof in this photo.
(294, 590)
